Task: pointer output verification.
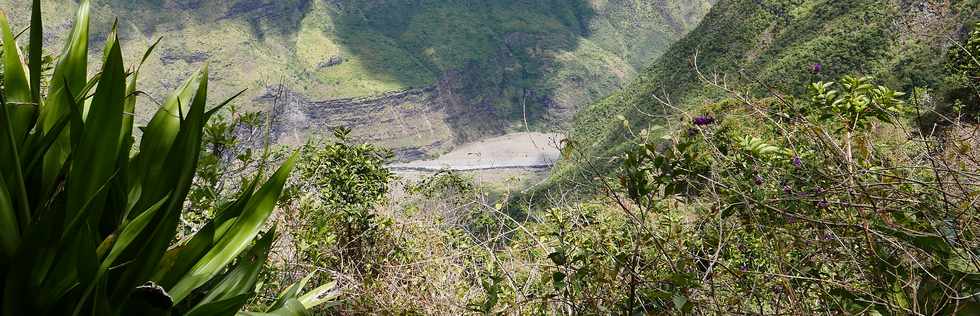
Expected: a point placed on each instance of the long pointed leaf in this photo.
(17, 113)
(125, 239)
(36, 255)
(95, 157)
(12, 170)
(67, 84)
(291, 292)
(118, 201)
(77, 251)
(292, 307)
(179, 260)
(130, 232)
(44, 143)
(180, 166)
(211, 112)
(158, 139)
(16, 85)
(320, 295)
(9, 229)
(224, 307)
(34, 62)
(239, 236)
(242, 279)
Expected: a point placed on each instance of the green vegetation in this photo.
(787, 157)
(831, 197)
(338, 187)
(795, 206)
(492, 57)
(964, 76)
(774, 44)
(88, 221)
(731, 186)
(763, 46)
(792, 185)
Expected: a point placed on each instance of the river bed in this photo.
(511, 151)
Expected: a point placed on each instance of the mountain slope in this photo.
(474, 67)
(757, 46)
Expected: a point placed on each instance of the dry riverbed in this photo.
(511, 151)
(510, 162)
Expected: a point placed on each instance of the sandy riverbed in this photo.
(511, 151)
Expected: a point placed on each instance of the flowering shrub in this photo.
(769, 233)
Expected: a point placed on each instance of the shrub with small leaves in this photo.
(337, 188)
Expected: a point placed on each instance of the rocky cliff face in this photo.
(413, 120)
(418, 76)
(416, 123)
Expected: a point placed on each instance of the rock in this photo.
(330, 62)
(168, 57)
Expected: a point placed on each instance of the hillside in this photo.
(761, 46)
(417, 76)
(786, 157)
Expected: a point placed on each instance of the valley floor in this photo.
(511, 151)
(508, 163)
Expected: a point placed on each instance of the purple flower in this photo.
(790, 219)
(797, 162)
(787, 189)
(823, 204)
(758, 180)
(816, 68)
(704, 120)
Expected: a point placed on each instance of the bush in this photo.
(827, 203)
(338, 187)
(797, 206)
(963, 67)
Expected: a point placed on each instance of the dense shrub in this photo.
(831, 203)
(338, 187)
(963, 67)
(834, 209)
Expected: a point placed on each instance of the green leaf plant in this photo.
(87, 224)
(856, 106)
